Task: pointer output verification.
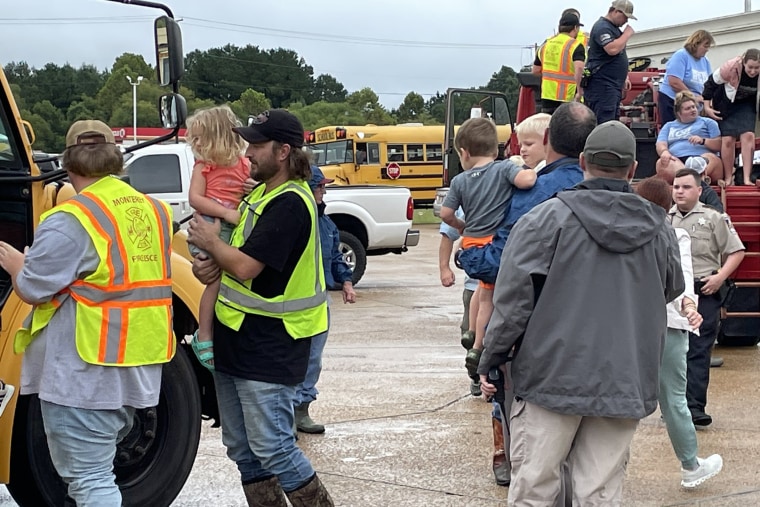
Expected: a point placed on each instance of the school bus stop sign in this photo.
(393, 170)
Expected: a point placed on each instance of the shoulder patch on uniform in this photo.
(727, 219)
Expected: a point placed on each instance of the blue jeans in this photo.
(672, 398)
(257, 429)
(307, 391)
(82, 446)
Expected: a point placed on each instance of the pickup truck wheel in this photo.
(355, 255)
(152, 462)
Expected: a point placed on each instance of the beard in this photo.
(264, 170)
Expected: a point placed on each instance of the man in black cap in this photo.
(560, 62)
(272, 301)
(607, 65)
(580, 303)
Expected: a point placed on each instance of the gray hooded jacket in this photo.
(582, 291)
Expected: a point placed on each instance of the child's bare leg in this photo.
(485, 309)
(468, 335)
(727, 154)
(206, 312)
(747, 140)
(474, 306)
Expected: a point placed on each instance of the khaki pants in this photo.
(595, 448)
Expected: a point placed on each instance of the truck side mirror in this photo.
(169, 56)
(172, 109)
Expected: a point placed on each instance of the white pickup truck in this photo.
(372, 219)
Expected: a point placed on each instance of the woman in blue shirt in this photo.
(689, 135)
(687, 70)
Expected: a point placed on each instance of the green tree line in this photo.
(248, 78)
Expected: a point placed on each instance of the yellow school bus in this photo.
(408, 155)
(361, 155)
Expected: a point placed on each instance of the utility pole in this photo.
(134, 105)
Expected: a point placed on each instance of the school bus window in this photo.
(415, 153)
(395, 153)
(337, 152)
(434, 153)
(373, 153)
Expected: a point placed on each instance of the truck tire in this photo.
(355, 255)
(152, 462)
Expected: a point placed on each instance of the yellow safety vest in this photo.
(303, 305)
(123, 308)
(558, 69)
(582, 37)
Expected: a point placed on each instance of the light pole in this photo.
(134, 105)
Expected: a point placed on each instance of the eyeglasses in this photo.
(259, 119)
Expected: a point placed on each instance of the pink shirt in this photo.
(225, 184)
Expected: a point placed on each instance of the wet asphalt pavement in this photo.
(402, 429)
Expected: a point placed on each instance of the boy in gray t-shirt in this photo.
(483, 191)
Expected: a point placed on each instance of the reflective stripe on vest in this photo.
(125, 287)
(558, 69)
(236, 297)
(299, 304)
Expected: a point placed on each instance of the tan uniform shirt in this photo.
(713, 237)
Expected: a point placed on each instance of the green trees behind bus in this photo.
(248, 78)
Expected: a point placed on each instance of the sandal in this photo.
(204, 355)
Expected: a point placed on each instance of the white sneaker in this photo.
(6, 393)
(708, 468)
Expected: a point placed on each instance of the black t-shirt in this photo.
(747, 91)
(579, 55)
(263, 350)
(611, 70)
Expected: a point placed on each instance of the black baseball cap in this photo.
(273, 125)
(570, 19)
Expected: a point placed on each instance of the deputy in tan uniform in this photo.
(716, 252)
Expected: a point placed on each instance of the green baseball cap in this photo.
(610, 144)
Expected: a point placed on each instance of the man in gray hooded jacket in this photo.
(580, 297)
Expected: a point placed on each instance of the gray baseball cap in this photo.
(610, 144)
(624, 6)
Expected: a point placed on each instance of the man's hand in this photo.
(712, 284)
(205, 269)
(486, 388)
(203, 234)
(11, 260)
(448, 278)
(627, 85)
(629, 30)
(489, 389)
(349, 295)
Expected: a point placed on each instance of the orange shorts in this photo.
(467, 242)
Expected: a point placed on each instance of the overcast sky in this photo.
(392, 46)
